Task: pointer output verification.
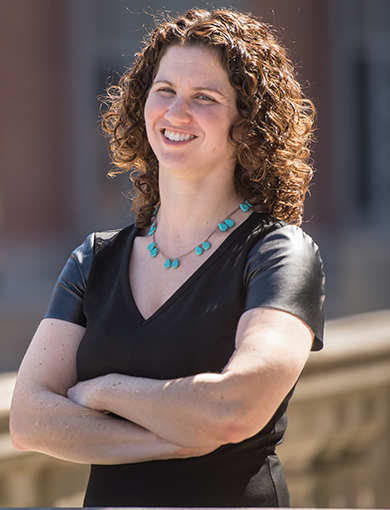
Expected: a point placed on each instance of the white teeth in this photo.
(177, 137)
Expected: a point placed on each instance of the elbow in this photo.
(20, 431)
(237, 424)
(18, 438)
(17, 444)
(236, 432)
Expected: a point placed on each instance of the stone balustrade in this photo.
(337, 447)
(29, 479)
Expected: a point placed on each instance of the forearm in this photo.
(190, 412)
(53, 425)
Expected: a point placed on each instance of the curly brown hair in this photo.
(273, 169)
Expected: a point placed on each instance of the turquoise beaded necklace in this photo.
(154, 250)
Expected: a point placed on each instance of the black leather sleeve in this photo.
(285, 271)
(66, 302)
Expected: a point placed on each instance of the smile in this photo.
(175, 136)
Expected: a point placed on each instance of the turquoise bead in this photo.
(206, 245)
(152, 229)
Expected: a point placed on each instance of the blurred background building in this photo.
(57, 57)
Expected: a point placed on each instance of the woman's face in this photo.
(189, 111)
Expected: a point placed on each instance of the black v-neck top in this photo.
(263, 262)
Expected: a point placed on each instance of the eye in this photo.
(203, 97)
(165, 90)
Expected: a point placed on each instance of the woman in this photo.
(170, 348)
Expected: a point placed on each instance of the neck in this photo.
(194, 209)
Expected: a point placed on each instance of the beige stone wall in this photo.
(32, 479)
(337, 448)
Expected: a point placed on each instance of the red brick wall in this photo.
(305, 25)
(33, 116)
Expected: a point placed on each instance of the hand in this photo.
(184, 453)
(83, 393)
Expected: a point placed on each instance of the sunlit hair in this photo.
(273, 168)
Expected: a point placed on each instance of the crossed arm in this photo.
(54, 414)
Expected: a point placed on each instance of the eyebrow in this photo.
(210, 89)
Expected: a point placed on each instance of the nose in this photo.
(179, 111)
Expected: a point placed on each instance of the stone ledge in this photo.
(7, 383)
(176, 508)
(353, 339)
(349, 379)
